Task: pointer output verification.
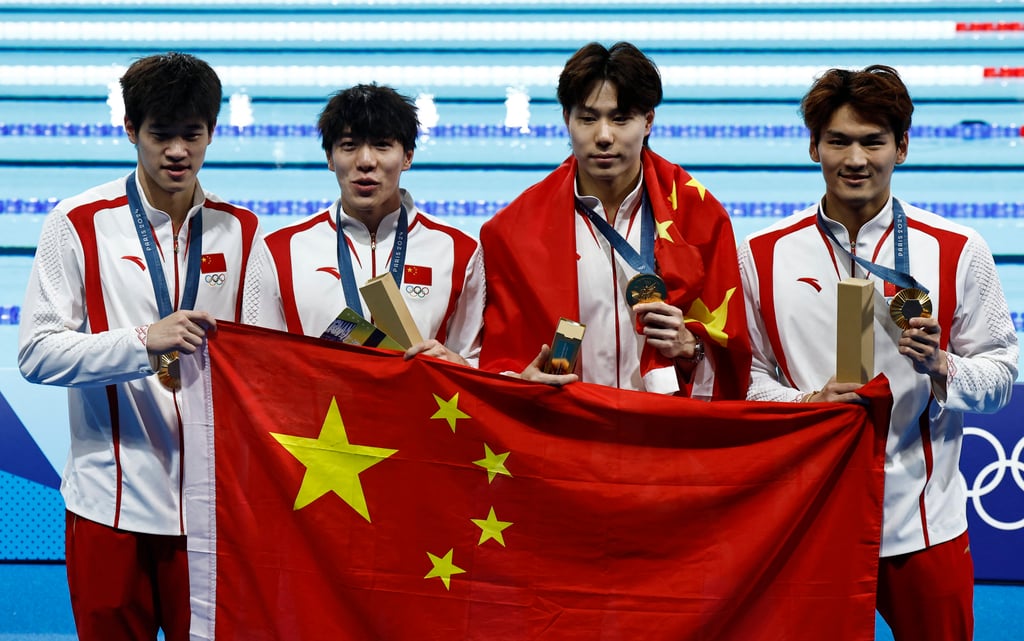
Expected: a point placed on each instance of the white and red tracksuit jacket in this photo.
(790, 274)
(88, 292)
(294, 282)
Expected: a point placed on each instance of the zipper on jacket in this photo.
(373, 253)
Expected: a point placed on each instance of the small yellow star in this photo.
(672, 198)
(663, 230)
(332, 464)
(449, 410)
(699, 187)
(491, 528)
(493, 463)
(715, 320)
(443, 568)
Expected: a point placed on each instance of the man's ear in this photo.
(129, 129)
(330, 161)
(814, 151)
(408, 159)
(902, 147)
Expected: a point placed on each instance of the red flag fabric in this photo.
(529, 249)
(418, 275)
(213, 263)
(339, 492)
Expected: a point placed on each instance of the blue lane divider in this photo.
(10, 315)
(488, 208)
(958, 131)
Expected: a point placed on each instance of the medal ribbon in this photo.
(347, 274)
(901, 275)
(642, 262)
(149, 250)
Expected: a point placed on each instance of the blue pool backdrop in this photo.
(484, 75)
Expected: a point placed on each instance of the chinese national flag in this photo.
(213, 263)
(418, 275)
(339, 492)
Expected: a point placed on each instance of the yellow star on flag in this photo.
(443, 568)
(672, 198)
(493, 463)
(491, 528)
(449, 410)
(699, 187)
(332, 463)
(663, 229)
(713, 320)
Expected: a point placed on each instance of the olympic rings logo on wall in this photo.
(216, 280)
(993, 474)
(417, 291)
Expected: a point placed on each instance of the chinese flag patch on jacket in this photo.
(418, 275)
(213, 263)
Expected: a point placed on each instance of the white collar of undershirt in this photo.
(629, 203)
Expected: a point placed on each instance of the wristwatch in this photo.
(698, 352)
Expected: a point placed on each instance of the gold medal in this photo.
(645, 288)
(909, 303)
(169, 371)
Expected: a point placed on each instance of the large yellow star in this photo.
(696, 185)
(449, 410)
(491, 528)
(493, 463)
(443, 568)
(713, 320)
(663, 229)
(332, 464)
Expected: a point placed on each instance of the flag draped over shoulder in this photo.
(338, 492)
(529, 249)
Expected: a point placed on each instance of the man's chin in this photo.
(602, 173)
(178, 183)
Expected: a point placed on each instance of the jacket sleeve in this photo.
(55, 346)
(466, 325)
(982, 351)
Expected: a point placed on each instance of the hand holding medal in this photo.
(920, 342)
(908, 303)
(660, 322)
(182, 331)
(645, 288)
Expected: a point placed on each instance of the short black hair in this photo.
(369, 112)
(635, 76)
(171, 87)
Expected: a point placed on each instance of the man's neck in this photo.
(610, 193)
(371, 219)
(178, 211)
(176, 205)
(852, 218)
